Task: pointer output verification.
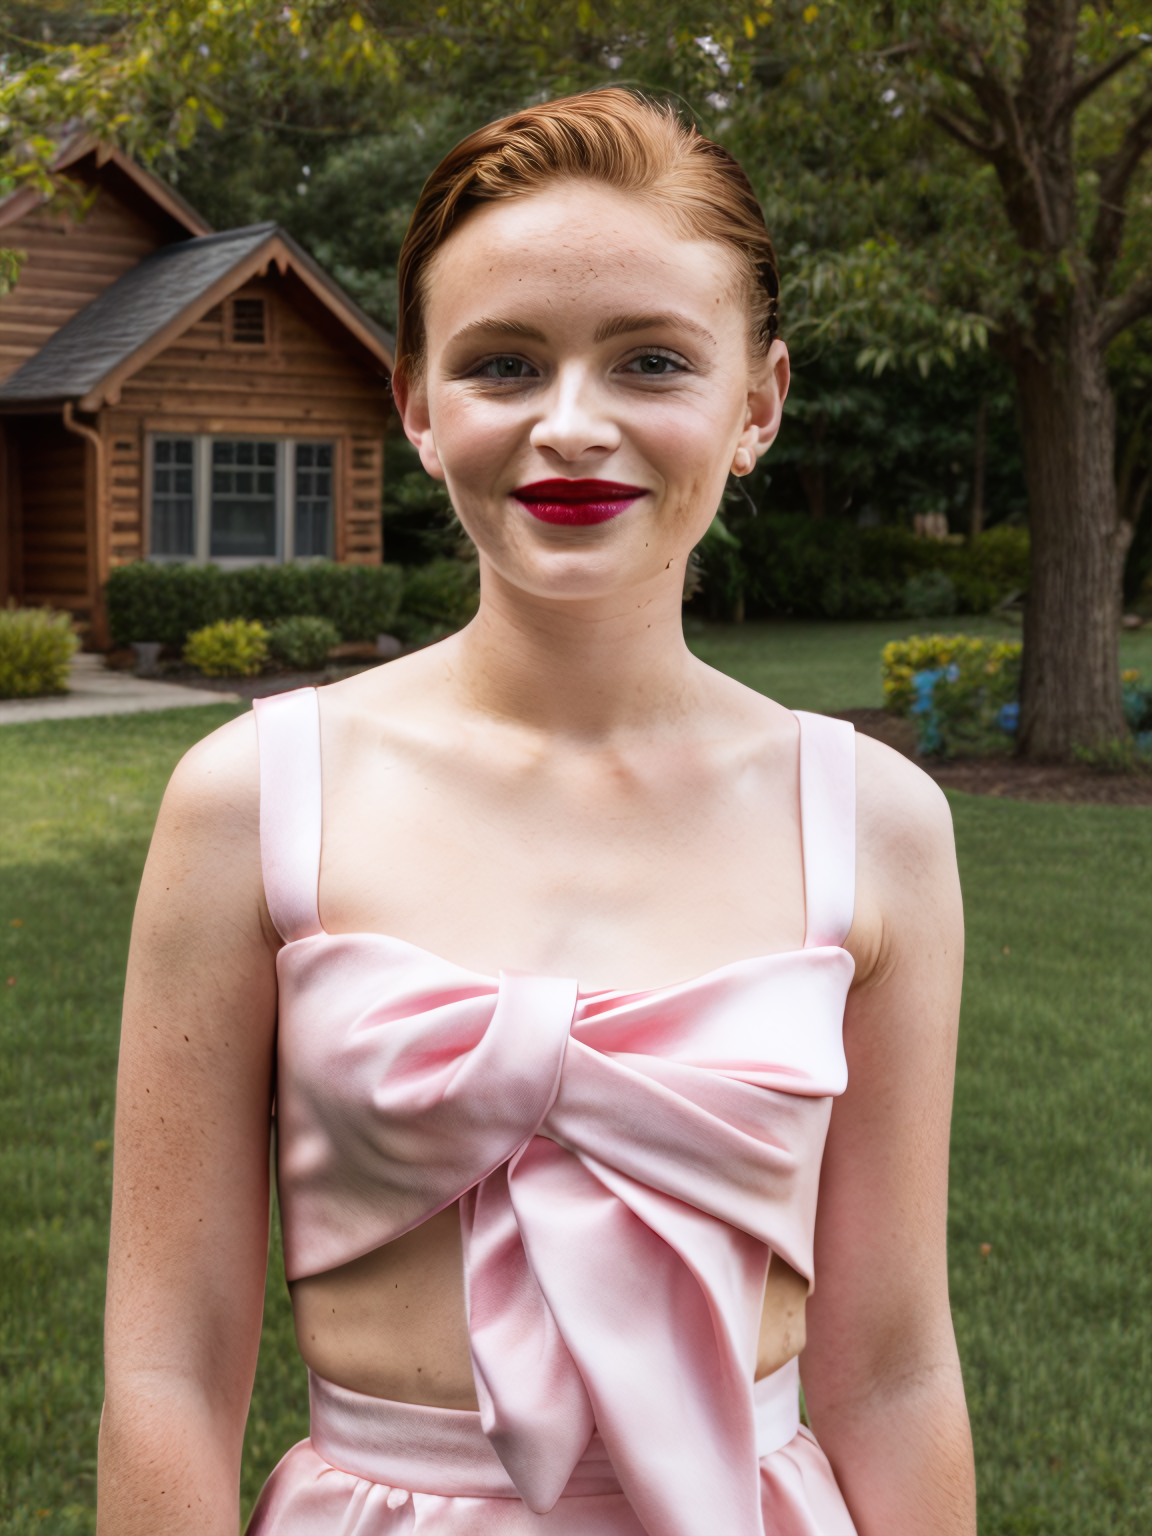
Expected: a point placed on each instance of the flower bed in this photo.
(960, 692)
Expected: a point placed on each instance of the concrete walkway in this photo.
(94, 690)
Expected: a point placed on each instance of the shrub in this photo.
(788, 564)
(228, 648)
(439, 597)
(1137, 702)
(36, 646)
(902, 659)
(930, 595)
(303, 641)
(163, 602)
(1122, 754)
(147, 601)
(960, 692)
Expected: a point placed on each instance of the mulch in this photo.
(1008, 778)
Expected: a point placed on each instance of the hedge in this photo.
(167, 603)
(789, 565)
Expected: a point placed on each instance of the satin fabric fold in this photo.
(625, 1163)
(618, 1206)
(376, 1468)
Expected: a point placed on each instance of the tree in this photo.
(937, 177)
(1047, 238)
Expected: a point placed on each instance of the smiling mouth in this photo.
(577, 503)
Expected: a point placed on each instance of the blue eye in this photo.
(506, 368)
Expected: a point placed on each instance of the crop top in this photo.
(625, 1162)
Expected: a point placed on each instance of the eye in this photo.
(654, 365)
(505, 368)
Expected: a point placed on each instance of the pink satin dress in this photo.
(625, 1164)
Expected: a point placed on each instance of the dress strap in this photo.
(827, 827)
(288, 731)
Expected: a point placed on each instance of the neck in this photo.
(590, 668)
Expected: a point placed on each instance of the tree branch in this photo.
(1119, 313)
(965, 130)
(1091, 82)
(1115, 174)
(1012, 150)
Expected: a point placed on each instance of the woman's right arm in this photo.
(191, 1180)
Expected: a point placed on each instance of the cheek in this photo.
(691, 446)
(473, 439)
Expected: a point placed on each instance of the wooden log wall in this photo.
(124, 498)
(68, 263)
(54, 515)
(302, 384)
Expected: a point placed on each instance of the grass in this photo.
(1049, 1145)
(810, 665)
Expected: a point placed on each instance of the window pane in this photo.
(173, 500)
(243, 503)
(313, 499)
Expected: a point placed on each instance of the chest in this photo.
(621, 872)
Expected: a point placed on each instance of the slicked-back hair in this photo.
(615, 137)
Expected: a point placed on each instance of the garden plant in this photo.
(36, 650)
(228, 648)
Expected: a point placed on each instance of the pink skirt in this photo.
(378, 1468)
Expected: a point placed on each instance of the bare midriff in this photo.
(392, 1324)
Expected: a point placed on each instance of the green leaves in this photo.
(883, 298)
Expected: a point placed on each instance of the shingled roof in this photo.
(145, 310)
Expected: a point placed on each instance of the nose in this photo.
(575, 424)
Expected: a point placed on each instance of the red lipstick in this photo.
(577, 503)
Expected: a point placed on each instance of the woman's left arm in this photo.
(881, 1373)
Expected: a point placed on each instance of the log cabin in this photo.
(171, 393)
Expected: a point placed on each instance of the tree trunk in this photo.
(1070, 690)
(976, 521)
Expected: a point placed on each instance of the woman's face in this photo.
(572, 337)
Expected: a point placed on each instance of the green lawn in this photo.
(809, 665)
(1050, 1140)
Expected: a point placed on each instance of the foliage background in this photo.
(902, 278)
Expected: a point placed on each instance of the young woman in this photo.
(608, 1008)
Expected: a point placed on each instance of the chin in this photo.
(570, 575)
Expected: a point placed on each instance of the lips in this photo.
(577, 503)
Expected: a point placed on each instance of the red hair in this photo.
(612, 136)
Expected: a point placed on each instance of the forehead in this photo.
(578, 245)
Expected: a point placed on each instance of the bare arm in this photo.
(191, 1185)
(880, 1370)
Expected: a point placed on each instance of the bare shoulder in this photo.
(216, 784)
(204, 864)
(900, 811)
(907, 884)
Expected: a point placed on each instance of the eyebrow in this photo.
(494, 326)
(624, 325)
(619, 325)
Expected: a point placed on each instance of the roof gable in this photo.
(89, 359)
(86, 159)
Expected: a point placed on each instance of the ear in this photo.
(766, 395)
(411, 399)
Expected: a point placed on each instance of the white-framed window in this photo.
(240, 500)
(313, 467)
(174, 496)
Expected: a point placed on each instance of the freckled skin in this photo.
(561, 788)
(582, 405)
